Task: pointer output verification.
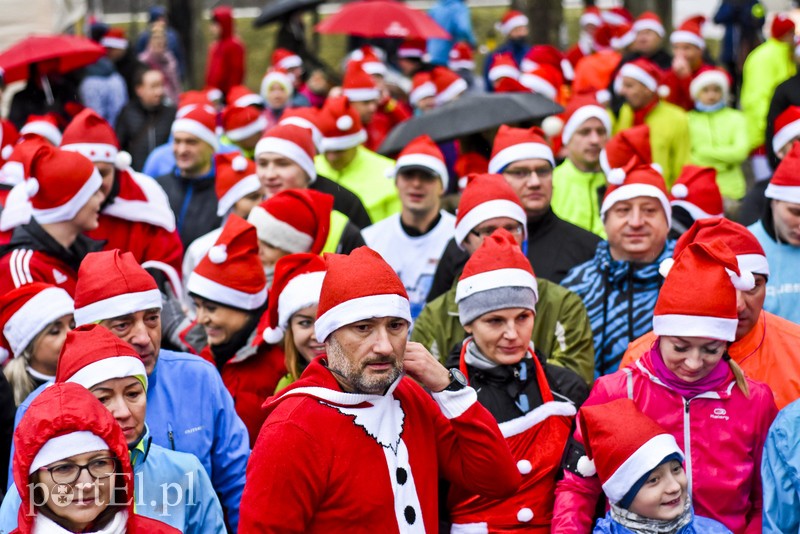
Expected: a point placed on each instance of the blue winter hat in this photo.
(628, 498)
(156, 13)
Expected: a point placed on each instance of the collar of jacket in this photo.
(140, 450)
(199, 182)
(542, 224)
(617, 271)
(34, 237)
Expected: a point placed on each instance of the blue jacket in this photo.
(620, 297)
(699, 525)
(190, 410)
(169, 486)
(453, 16)
(161, 160)
(780, 473)
(783, 290)
(517, 50)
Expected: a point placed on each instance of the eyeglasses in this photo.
(68, 473)
(541, 173)
(515, 229)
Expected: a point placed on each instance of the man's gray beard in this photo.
(353, 373)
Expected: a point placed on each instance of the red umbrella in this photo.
(382, 18)
(62, 53)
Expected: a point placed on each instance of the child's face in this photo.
(277, 96)
(710, 95)
(663, 495)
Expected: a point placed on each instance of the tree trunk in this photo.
(662, 7)
(545, 18)
(186, 16)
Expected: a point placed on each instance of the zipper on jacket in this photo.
(171, 436)
(687, 442)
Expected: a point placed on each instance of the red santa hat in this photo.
(509, 85)
(297, 285)
(115, 39)
(449, 85)
(422, 86)
(710, 76)
(601, 40)
(92, 354)
(545, 80)
(633, 142)
(486, 196)
(785, 183)
(617, 16)
(697, 192)
(412, 49)
(547, 55)
(340, 125)
(635, 181)
(689, 32)
(511, 19)
(240, 123)
(111, 284)
(201, 122)
(45, 126)
(304, 118)
(231, 273)
(713, 267)
(422, 152)
(236, 178)
(514, 144)
(8, 138)
(28, 310)
(279, 76)
(503, 66)
(91, 135)
(591, 16)
(622, 446)
(469, 163)
(580, 110)
(622, 36)
(461, 57)
(496, 277)
(285, 59)
(649, 21)
(749, 253)
(782, 24)
(371, 60)
(787, 127)
(358, 86)
(60, 184)
(295, 220)
(293, 142)
(643, 71)
(241, 96)
(188, 100)
(356, 287)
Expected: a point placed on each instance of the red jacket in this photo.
(23, 266)
(389, 115)
(679, 87)
(226, 55)
(329, 461)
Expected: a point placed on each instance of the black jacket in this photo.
(140, 130)
(351, 239)
(7, 412)
(344, 201)
(785, 95)
(32, 236)
(194, 202)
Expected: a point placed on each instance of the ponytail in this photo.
(16, 371)
(741, 381)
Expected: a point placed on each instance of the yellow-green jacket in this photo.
(576, 196)
(718, 141)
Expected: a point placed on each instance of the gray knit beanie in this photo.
(500, 298)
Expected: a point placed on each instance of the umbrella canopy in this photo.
(63, 53)
(278, 9)
(470, 114)
(382, 18)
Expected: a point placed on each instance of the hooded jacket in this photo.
(717, 141)
(193, 201)
(140, 130)
(783, 290)
(780, 470)
(721, 432)
(60, 410)
(226, 55)
(698, 525)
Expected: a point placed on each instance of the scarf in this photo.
(475, 358)
(645, 525)
(709, 108)
(715, 380)
(44, 525)
(639, 115)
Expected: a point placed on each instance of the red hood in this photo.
(63, 409)
(224, 16)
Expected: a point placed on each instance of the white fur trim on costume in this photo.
(785, 135)
(44, 129)
(629, 70)
(518, 152)
(657, 27)
(582, 115)
(197, 129)
(519, 425)
(362, 95)
(243, 132)
(18, 208)
(513, 22)
(627, 192)
(301, 291)
(646, 458)
(70, 209)
(117, 306)
(425, 90)
(423, 160)
(454, 403)
(278, 233)
(344, 142)
(496, 279)
(109, 368)
(469, 528)
(682, 36)
(503, 71)
(94, 152)
(590, 18)
(154, 210)
(786, 193)
(67, 445)
(242, 188)
(489, 210)
(451, 91)
(359, 309)
(755, 263)
(211, 290)
(539, 85)
(694, 210)
(41, 310)
(695, 326)
(286, 148)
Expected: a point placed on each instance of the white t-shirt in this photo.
(414, 259)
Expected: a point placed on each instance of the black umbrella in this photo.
(470, 114)
(278, 9)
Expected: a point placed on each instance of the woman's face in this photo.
(78, 504)
(88, 217)
(663, 495)
(126, 399)
(269, 255)
(691, 358)
(503, 336)
(220, 322)
(277, 96)
(47, 345)
(305, 341)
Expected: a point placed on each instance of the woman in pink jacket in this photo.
(689, 385)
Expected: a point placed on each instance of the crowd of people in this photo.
(222, 310)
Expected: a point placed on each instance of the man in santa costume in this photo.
(354, 445)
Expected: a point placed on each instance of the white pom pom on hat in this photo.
(123, 160)
(665, 267)
(344, 123)
(616, 176)
(273, 336)
(680, 191)
(7, 151)
(586, 467)
(663, 91)
(31, 187)
(218, 254)
(745, 281)
(552, 125)
(239, 164)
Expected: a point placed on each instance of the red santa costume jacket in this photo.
(329, 461)
(537, 441)
(140, 221)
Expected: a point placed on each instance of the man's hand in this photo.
(423, 367)
(681, 67)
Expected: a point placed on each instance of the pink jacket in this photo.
(721, 432)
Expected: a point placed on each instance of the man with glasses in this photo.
(562, 329)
